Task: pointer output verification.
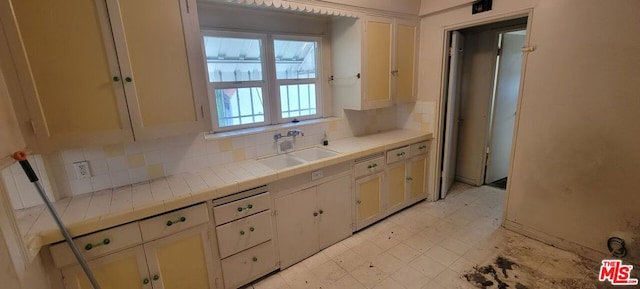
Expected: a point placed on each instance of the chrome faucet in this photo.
(295, 132)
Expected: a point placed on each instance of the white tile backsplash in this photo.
(23, 193)
(110, 167)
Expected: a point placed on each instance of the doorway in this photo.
(484, 72)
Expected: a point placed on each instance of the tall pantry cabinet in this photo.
(95, 72)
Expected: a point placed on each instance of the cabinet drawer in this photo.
(172, 222)
(241, 208)
(97, 244)
(244, 233)
(369, 167)
(419, 148)
(248, 265)
(398, 154)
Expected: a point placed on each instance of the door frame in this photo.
(439, 125)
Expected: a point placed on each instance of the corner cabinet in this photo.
(374, 62)
(94, 73)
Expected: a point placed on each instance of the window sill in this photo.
(267, 128)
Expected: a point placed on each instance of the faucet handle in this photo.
(277, 136)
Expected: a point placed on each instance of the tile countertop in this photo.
(100, 210)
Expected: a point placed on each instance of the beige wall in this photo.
(576, 152)
(9, 130)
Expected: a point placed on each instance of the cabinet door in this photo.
(397, 187)
(368, 200)
(377, 55)
(418, 178)
(125, 269)
(405, 57)
(334, 207)
(181, 261)
(160, 56)
(297, 226)
(65, 54)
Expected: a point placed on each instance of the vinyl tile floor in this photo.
(452, 243)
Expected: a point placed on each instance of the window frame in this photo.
(270, 84)
(264, 83)
(317, 80)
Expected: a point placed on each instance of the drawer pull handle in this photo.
(422, 147)
(409, 179)
(255, 259)
(359, 202)
(252, 229)
(156, 277)
(241, 232)
(249, 206)
(400, 154)
(170, 223)
(90, 246)
(372, 166)
(145, 281)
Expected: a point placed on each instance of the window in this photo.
(261, 79)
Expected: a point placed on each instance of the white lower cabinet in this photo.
(244, 234)
(179, 260)
(312, 219)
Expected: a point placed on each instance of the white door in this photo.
(505, 104)
(452, 115)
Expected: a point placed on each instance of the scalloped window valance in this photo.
(304, 7)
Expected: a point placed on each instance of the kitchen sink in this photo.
(313, 154)
(295, 158)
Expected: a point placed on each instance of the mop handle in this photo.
(21, 157)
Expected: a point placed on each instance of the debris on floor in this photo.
(504, 273)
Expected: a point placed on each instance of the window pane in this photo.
(295, 59)
(233, 59)
(298, 100)
(238, 106)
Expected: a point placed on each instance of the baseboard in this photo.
(563, 244)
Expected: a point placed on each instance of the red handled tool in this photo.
(21, 157)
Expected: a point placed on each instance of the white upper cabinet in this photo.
(374, 62)
(94, 73)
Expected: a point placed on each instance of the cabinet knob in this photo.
(156, 277)
(315, 214)
(128, 79)
(116, 78)
(145, 281)
(241, 232)
(255, 259)
(252, 229)
(321, 212)
(359, 202)
(409, 179)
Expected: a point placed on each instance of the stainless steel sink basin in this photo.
(295, 158)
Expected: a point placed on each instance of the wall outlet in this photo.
(82, 170)
(316, 175)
